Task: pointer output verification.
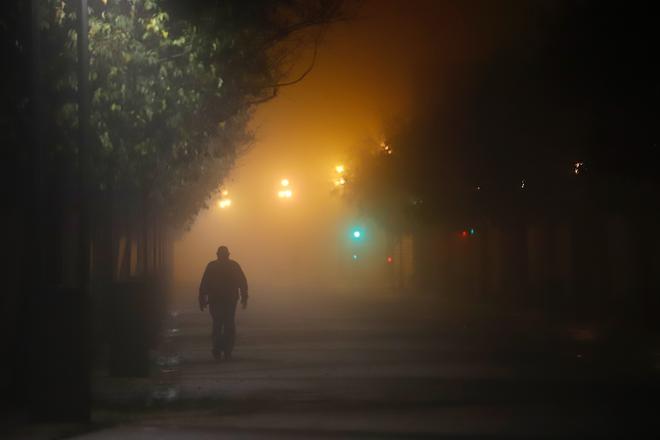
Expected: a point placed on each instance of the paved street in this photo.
(363, 368)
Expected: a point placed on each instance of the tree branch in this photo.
(264, 99)
(317, 41)
(176, 55)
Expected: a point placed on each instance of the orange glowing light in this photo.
(285, 194)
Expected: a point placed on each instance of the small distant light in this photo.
(355, 257)
(390, 259)
(464, 234)
(478, 188)
(522, 184)
(224, 203)
(224, 193)
(285, 194)
(357, 234)
(577, 167)
(472, 231)
(284, 182)
(340, 182)
(339, 169)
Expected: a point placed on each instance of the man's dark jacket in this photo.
(222, 280)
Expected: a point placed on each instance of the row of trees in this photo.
(171, 87)
(559, 127)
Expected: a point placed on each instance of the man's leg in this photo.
(218, 318)
(229, 333)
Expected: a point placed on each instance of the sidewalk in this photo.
(391, 369)
(372, 371)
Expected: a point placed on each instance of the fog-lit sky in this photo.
(367, 72)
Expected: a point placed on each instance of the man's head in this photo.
(223, 253)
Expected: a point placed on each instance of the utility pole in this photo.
(55, 344)
(37, 156)
(82, 308)
(83, 146)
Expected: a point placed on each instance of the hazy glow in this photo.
(357, 234)
(339, 169)
(307, 245)
(224, 203)
(285, 194)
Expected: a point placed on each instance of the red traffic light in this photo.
(389, 259)
(464, 233)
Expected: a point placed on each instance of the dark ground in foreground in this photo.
(387, 368)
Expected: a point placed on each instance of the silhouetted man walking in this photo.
(219, 289)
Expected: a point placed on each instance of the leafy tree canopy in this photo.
(172, 88)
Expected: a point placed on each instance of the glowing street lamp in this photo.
(225, 201)
(285, 190)
(340, 181)
(285, 194)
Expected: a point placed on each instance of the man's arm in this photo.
(203, 290)
(242, 284)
